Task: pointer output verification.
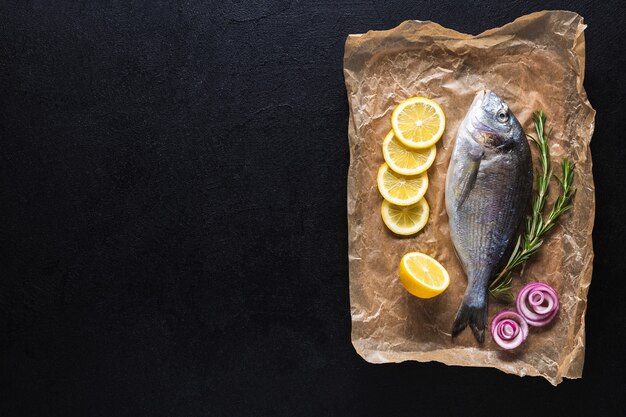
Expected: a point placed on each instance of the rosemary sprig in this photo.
(536, 226)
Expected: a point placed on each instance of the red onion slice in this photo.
(538, 303)
(509, 329)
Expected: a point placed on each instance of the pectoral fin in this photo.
(468, 174)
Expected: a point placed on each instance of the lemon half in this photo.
(422, 275)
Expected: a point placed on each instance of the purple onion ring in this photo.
(509, 329)
(538, 303)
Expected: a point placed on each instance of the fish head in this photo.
(491, 123)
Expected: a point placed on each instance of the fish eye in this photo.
(502, 116)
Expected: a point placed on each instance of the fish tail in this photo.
(473, 312)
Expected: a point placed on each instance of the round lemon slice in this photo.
(418, 122)
(405, 220)
(423, 276)
(401, 190)
(404, 160)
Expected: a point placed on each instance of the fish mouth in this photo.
(479, 101)
(481, 96)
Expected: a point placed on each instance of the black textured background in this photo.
(173, 214)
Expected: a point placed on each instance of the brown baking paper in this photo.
(534, 63)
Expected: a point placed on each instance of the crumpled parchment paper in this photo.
(534, 63)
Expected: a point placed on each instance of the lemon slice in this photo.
(404, 160)
(399, 189)
(405, 220)
(418, 122)
(423, 276)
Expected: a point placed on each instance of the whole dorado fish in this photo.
(488, 188)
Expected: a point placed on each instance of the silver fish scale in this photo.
(485, 223)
